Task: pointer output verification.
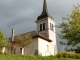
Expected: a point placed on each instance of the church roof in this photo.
(34, 34)
(44, 13)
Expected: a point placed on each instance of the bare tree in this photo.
(24, 40)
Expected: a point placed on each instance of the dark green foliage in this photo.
(70, 29)
(77, 50)
(3, 41)
(68, 55)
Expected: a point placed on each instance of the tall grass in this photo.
(20, 57)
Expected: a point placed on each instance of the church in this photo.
(45, 45)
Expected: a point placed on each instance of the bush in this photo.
(68, 55)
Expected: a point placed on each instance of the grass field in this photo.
(19, 57)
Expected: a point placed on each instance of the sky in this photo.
(22, 14)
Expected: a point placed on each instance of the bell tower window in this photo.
(52, 28)
(43, 26)
(40, 27)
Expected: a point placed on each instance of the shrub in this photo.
(68, 55)
(59, 55)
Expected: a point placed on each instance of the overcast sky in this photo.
(22, 14)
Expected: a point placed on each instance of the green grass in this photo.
(19, 57)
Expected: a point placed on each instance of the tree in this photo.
(77, 50)
(70, 29)
(3, 41)
(24, 40)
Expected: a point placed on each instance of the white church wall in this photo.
(42, 47)
(52, 36)
(52, 22)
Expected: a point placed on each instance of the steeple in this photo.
(45, 9)
(44, 13)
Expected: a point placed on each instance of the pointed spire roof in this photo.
(44, 13)
(45, 9)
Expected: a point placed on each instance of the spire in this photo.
(44, 13)
(45, 10)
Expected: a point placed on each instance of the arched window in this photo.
(50, 26)
(43, 26)
(40, 27)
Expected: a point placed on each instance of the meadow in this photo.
(20, 57)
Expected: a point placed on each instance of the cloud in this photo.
(21, 14)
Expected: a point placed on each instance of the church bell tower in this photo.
(46, 23)
(46, 27)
